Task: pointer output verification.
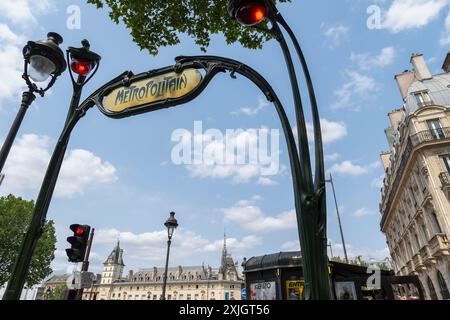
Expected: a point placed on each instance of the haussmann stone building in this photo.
(183, 283)
(415, 197)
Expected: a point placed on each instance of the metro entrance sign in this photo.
(150, 90)
(129, 95)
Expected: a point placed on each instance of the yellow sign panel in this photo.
(295, 289)
(166, 86)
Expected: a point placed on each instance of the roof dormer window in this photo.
(423, 99)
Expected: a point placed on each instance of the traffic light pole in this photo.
(85, 265)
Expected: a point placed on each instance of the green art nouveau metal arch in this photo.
(129, 95)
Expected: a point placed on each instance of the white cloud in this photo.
(363, 212)
(253, 111)
(357, 87)
(11, 66)
(336, 34)
(445, 38)
(331, 131)
(338, 250)
(355, 251)
(28, 161)
(349, 168)
(332, 157)
(412, 14)
(249, 216)
(150, 247)
(366, 62)
(23, 14)
(267, 182)
(291, 246)
(243, 169)
(378, 182)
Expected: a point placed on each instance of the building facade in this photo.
(183, 283)
(415, 197)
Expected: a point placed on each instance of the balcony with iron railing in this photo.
(399, 166)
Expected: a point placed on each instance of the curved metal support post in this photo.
(313, 220)
(322, 290)
(18, 276)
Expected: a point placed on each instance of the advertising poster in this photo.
(263, 291)
(295, 289)
(345, 291)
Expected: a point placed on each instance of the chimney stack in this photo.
(404, 81)
(446, 65)
(420, 67)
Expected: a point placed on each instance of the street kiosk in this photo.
(279, 277)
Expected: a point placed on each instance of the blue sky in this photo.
(118, 175)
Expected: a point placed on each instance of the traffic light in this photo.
(79, 242)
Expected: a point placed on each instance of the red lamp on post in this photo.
(250, 13)
(310, 197)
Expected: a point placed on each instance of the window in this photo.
(424, 231)
(435, 222)
(433, 295)
(446, 160)
(169, 297)
(188, 297)
(417, 241)
(443, 286)
(436, 129)
(413, 196)
(423, 99)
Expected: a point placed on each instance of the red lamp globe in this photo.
(79, 231)
(251, 13)
(81, 67)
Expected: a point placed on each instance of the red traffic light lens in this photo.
(251, 13)
(81, 67)
(79, 231)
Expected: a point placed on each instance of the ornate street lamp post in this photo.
(310, 200)
(82, 62)
(171, 224)
(42, 59)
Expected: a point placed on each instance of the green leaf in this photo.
(15, 217)
(159, 23)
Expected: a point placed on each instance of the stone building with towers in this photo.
(183, 282)
(415, 197)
